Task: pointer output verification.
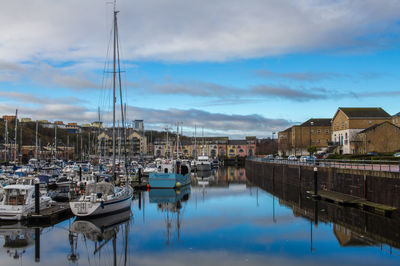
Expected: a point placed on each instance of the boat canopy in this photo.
(102, 187)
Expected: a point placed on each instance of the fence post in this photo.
(315, 181)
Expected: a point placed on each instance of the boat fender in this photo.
(178, 184)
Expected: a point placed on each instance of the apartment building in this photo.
(348, 122)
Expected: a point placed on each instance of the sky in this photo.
(235, 68)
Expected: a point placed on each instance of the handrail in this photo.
(373, 165)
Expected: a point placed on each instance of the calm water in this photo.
(220, 220)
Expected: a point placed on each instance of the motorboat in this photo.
(150, 168)
(102, 198)
(19, 201)
(203, 163)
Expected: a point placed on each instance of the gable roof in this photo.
(398, 114)
(377, 125)
(318, 122)
(368, 112)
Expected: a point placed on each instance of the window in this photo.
(326, 131)
(311, 131)
(370, 122)
(319, 131)
(345, 124)
(327, 141)
(342, 124)
(319, 141)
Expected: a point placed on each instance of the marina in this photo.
(261, 222)
(199, 133)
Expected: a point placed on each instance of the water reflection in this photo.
(226, 216)
(100, 231)
(171, 203)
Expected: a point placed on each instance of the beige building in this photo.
(313, 132)
(396, 119)
(136, 143)
(384, 137)
(348, 122)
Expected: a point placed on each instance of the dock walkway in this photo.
(348, 200)
(58, 211)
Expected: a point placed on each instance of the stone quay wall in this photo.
(375, 186)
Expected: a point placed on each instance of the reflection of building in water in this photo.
(169, 202)
(236, 175)
(347, 238)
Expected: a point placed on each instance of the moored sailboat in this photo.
(105, 198)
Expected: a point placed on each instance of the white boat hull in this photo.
(89, 208)
(20, 212)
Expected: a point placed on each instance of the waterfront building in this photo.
(136, 142)
(212, 146)
(396, 119)
(313, 132)
(9, 118)
(348, 122)
(26, 120)
(383, 137)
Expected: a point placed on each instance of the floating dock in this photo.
(56, 213)
(348, 200)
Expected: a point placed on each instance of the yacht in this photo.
(102, 198)
(203, 163)
(19, 201)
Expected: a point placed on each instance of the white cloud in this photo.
(181, 30)
(233, 125)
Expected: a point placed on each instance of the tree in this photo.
(312, 149)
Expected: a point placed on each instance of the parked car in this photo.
(373, 154)
(303, 159)
(268, 157)
(397, 155)
(278, 157)
(311, 159)
(292, 158)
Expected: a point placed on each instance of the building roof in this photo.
(398, 114)
(237, 142)
(375, 126)
(322, 122)
(369, 112)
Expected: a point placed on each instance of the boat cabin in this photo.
(17, 195)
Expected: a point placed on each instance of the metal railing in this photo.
(372, 165)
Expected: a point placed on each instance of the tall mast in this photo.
(36, 140)
(177, 140)
(5, 139)
(98, 134)
(195, 142)
(15, 140)
(55, 141)
(114, 84)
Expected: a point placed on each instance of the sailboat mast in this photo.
(177, 140)
(55, 141)
(114, 83)
(5, 140)
(195, 142)
(15, 140)
(36, 140)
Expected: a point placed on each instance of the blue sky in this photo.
(234, 67)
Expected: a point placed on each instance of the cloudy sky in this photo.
(233, 67)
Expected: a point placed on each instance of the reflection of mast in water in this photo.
(169, 201)
(100, 231)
